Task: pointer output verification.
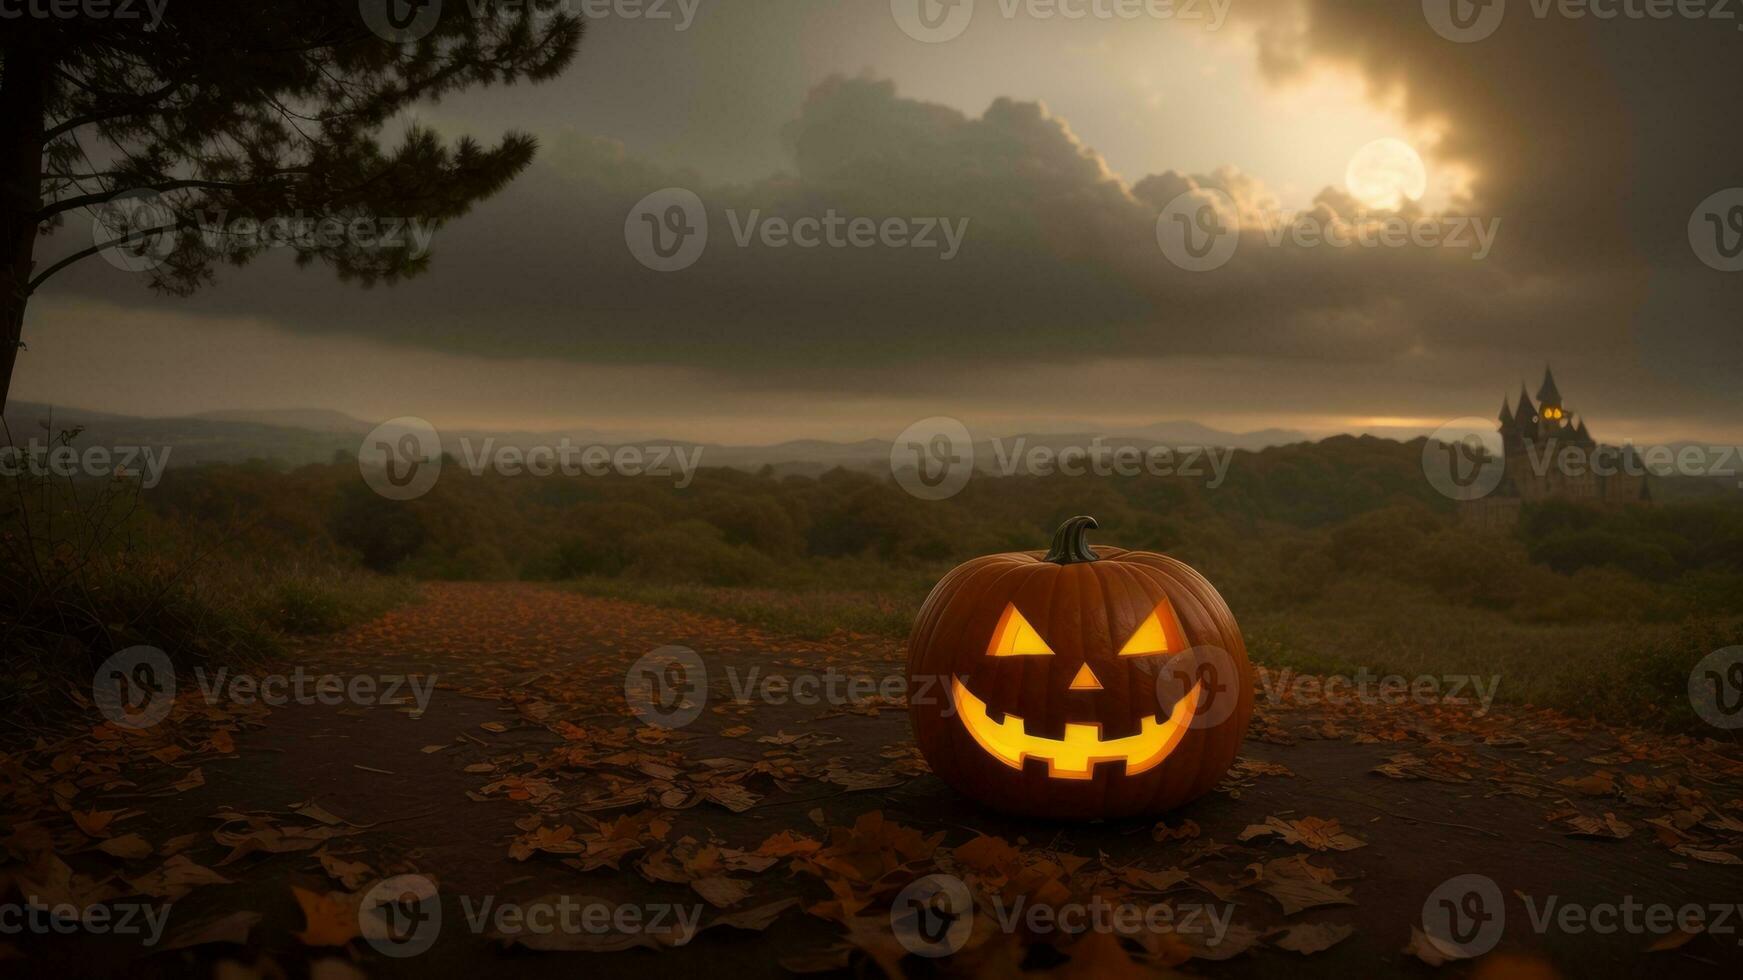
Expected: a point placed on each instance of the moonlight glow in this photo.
(1386, 173)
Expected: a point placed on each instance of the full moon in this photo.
(1386, 173)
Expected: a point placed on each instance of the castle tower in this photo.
(1525, 417)
(1549, 407)
(1537, 439)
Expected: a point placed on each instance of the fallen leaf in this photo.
(721, 892)
(329, 920)
(128, 846)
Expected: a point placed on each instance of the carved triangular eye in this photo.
(1014, 637)
(1158, 633)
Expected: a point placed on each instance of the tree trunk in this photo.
(23, 76)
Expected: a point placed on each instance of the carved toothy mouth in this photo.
(1075, 756)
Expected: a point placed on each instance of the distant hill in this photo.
(298, 436)
(314, 419)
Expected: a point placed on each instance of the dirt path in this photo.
(525, 775)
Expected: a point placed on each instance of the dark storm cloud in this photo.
(1591, 143)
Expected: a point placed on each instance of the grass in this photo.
(1616, 672)
(53, 633)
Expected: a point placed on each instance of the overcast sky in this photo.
(1586, 148)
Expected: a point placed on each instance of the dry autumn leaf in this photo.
(329, 919)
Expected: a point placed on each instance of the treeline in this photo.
(1286, 525)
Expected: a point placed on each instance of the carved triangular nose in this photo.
(1085, 680)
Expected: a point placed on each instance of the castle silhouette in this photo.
(1535, 444)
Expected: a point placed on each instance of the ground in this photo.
(787, 829)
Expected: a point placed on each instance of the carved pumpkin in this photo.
(1079, 682)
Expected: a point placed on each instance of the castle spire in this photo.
(1526, 411)
(1506, 414)
(1547, 393)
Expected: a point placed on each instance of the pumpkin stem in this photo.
(1070, 543)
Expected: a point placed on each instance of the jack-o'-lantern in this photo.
(1078, 682)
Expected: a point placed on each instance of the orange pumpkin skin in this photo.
(1084, 607)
